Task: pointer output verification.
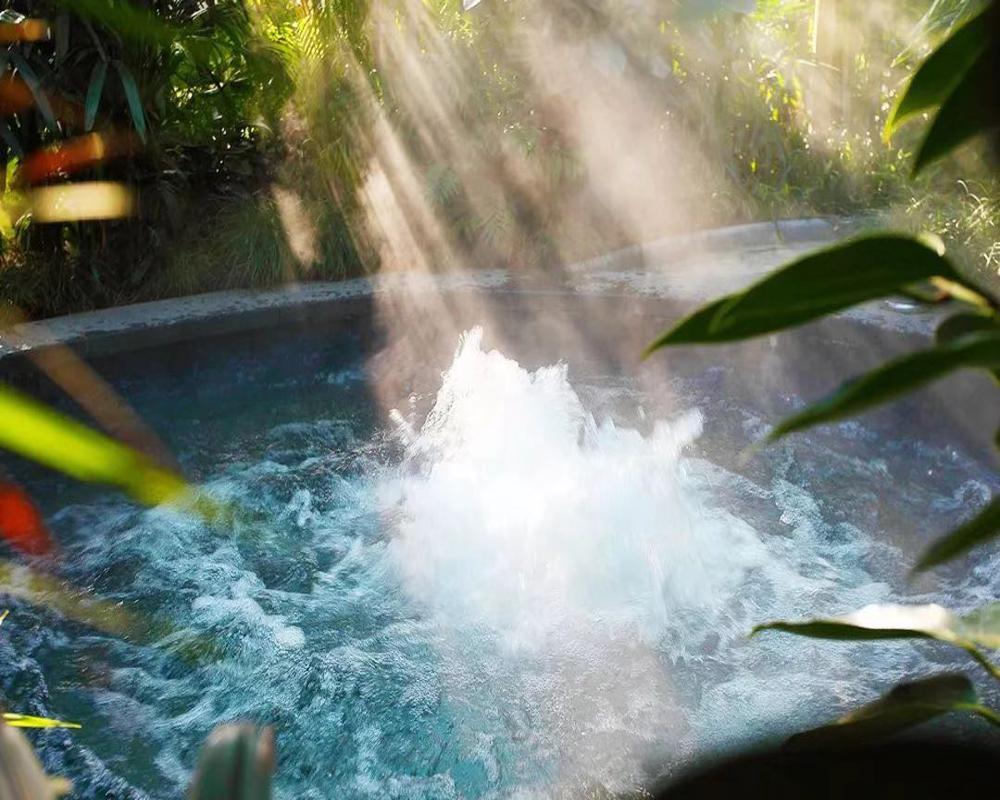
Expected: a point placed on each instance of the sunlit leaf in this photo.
(133, 98)
(904, 706)
(982, 528)
(94, 91)
(942, 71)
(88, 200)
(813, 286)
(42, 590)
(31, 79)
(25, 721)
(35, 431)
(978, 350)
(969, 110)
(39, 589)
(888, 621)
(4, 614)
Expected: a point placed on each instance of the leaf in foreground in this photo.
(982, 528)
(968, 111)
(889, 621)
(25, 721)
(44, 591)
(904, 706)
(977, 350)
(941, 71)
(814, 286)
(36, 432)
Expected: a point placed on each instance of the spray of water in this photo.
(524, 515)
(568, 564)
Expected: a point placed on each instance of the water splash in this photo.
(523, 515)
(578, 560)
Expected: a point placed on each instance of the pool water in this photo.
(531, 581)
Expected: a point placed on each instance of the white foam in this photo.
(571, 546)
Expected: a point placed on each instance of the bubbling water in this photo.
(577, 559)
(524, 516)
(528, 597)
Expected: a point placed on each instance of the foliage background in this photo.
(318, 140)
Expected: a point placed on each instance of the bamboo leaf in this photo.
(36, 432)
(813, 286)
(24, 721)
(904, 706)
(35, 85)
(942, 71)
(897, 377)
(94, 90)
(133, 98)
(969, 110)
(982, 528)
(694, 329)
(888, 621)
(833, 279)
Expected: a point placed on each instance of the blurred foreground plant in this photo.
(957, 80)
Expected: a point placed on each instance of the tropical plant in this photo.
(173, 102)
(955, 82)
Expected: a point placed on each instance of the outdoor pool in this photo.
(527, 567)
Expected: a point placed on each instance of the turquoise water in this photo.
(525, 583)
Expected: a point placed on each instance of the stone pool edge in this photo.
(157, 322)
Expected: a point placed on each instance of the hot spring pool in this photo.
(526, 578)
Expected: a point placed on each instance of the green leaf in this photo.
(94, 91)
(968, 111)
(134, 100)
(904, 706)
(35, 85)
(897, 377)
(34, 431)
(978, 530)
(880, 622)
(942, 71)
(813, 286)
(694, 329)
(24, 721)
